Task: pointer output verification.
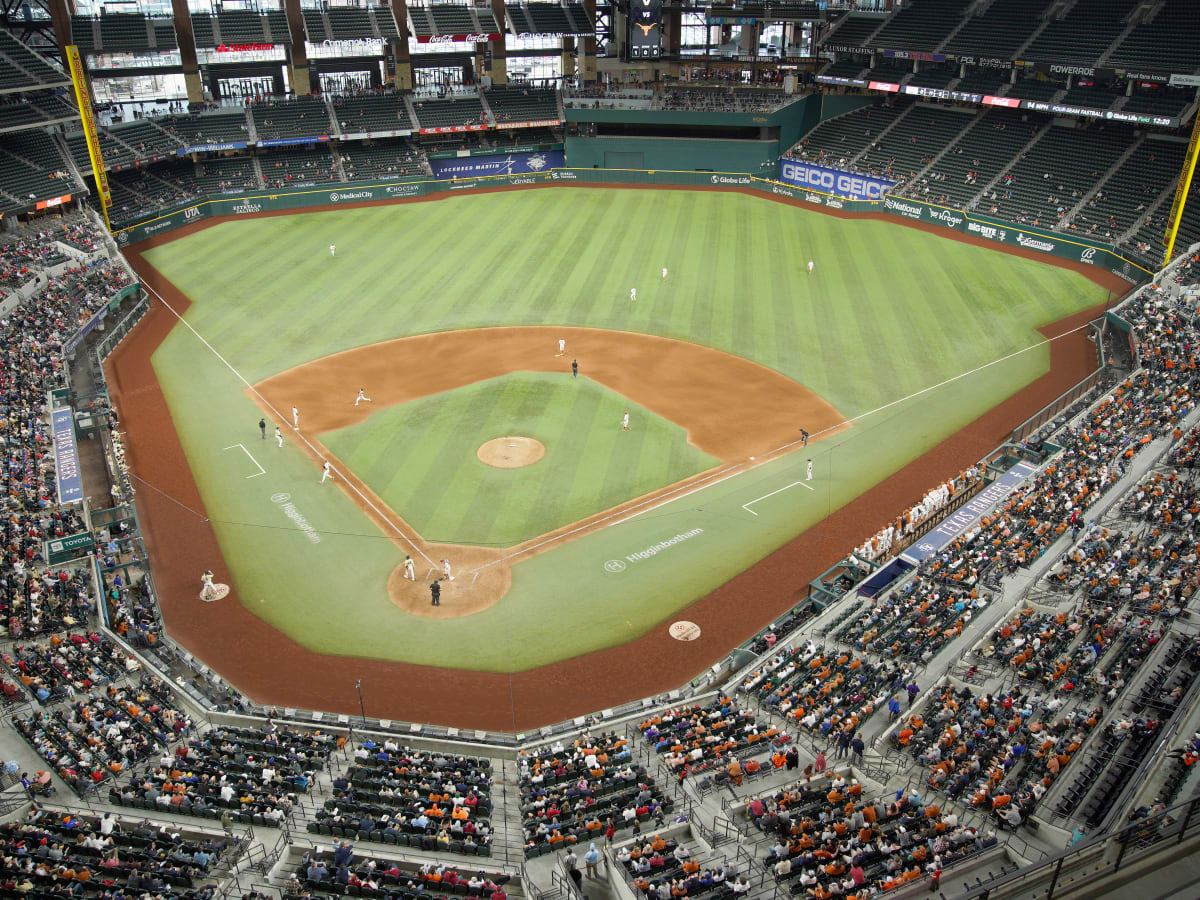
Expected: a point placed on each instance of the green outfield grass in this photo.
(889, 312)
(420, 457)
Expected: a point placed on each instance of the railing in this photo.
(1065, 401)
(108, 343)
(1097, 857)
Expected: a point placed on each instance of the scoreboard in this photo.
(645, 29)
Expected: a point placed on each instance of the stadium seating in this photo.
(855, 31)
(432, 801)
(451, 112)
(366, 113)
(349, 23)
(281, 119)
(920, 26)
(225, 175)
(970, 163)
(1167, 43)
(570, 795)
(1000, 30)
(1082, 35)
(1159, 101)
(836, 142)
(298, 167)
(1034, 89)
(983, 81)
(906, 149)
(382, 159)
(207, 128)
(20, 67)
(348, 870)
(1050, 178)
(520, 103)
(1133, 187)
(32, 169)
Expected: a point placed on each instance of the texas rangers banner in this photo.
(965, 517)
(508, 164)
(66, 456)
(833, 181)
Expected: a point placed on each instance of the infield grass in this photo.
(420, 457)
(889, 312)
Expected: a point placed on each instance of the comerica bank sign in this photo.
(833, 181)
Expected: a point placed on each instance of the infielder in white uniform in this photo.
(809, 476)
(362, 395)
(332, 250)
(410, 571)
(633, 295)
(562, 346)
(625, 421)
(326, 471)
(295, 418)
(446, 569)
(278, 436)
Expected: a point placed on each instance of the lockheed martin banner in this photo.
(833, 181)
(508, 164)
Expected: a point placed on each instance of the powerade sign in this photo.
(508, 164)
(833, 181)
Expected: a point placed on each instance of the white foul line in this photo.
(261, 470)
(746, 506)
(283, 418)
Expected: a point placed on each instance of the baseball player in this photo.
(278, 436)
(326, 471)
(562, 346)
(295, 419)
(633, 295)
(446, 569)
(664, 273)
(410, 571)
(574, 368)
(362, 395)
(810, 267)
(625, 421)
(332, 250)
(809, 476)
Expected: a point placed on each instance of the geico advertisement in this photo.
(833, 181)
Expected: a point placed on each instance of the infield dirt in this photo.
(271, 668)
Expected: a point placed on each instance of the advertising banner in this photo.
(507, 164)
(833, 181)
(968, 514)
(65, 549)
(210, 148)
(66, 456)
(288, 142)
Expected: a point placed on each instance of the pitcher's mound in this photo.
(511, 452)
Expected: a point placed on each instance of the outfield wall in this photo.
(1034, 240)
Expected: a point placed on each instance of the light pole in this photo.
(361, 708)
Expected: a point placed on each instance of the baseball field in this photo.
(565, 533)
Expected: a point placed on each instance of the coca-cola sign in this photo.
(473, 38)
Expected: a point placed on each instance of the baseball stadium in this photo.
(758, 436)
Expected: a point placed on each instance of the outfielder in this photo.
(409, 568)
(332, 250)
(810, 267)
(446, 569)
(326, 471)
(625, 421)
(633, 295)
(664, 273)
(362, 395)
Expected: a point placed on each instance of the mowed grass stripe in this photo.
(447, 494)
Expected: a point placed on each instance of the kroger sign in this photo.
(833, 181)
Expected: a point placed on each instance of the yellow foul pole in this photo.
(83, 97)
(1181, 194)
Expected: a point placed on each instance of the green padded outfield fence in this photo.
(1034, 239)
